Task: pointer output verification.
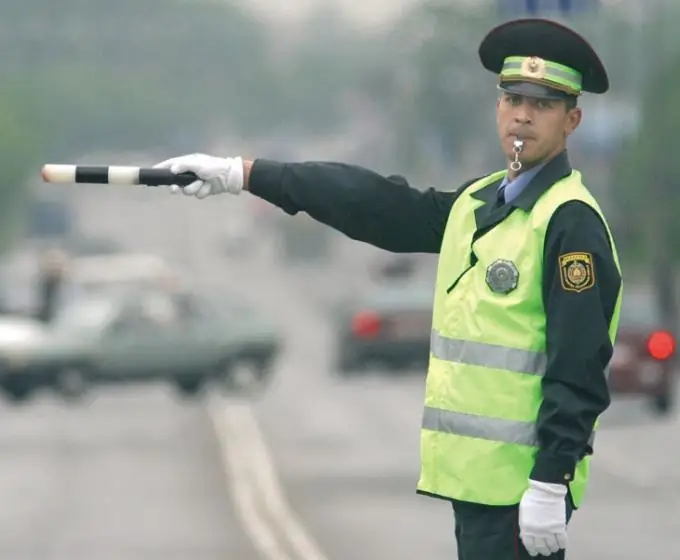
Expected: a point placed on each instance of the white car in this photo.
(120, 270)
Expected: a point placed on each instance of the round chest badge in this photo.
(502, 276)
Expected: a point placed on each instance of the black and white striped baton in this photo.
(115, 175)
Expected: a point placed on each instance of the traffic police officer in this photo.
(527, 296)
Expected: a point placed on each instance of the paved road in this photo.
(345, 453)
(134, 475)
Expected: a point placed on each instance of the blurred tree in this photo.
(19, 146)
(175, 66)
(321, 66)
(442, 100)
(330, 71)
(648, 181)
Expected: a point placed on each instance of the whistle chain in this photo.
(516, 165)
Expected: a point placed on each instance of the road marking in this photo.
(243, 489)
(253, 480)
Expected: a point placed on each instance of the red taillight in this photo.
(661, 345)
(366, 324)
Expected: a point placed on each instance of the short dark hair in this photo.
(571, 102)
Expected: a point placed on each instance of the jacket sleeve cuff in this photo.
(554, 469)
(265, 178)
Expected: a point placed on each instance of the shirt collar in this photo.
(557, 168)
(515, 187)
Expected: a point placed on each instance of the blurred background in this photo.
(215, 379)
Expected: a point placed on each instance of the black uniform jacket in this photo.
(388, 213)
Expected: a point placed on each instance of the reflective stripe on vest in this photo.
(483, 427)
(489, 355)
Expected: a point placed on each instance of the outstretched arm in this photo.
(383, 211)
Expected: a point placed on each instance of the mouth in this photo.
(522, 137)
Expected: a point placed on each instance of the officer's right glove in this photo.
(216, 175)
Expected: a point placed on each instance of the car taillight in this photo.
(661, 345)
(366, 324)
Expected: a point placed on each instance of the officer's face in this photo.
(543, 124)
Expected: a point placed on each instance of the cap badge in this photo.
(534, 67)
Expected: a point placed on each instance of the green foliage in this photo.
(445, 100)
(647, 174)
(130, 74)
(19, 149)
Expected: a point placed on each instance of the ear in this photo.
(574, 118)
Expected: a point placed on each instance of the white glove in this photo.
(217, 175)
(543, 518)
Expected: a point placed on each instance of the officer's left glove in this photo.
(543, 518)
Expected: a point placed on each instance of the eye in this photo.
(513, 100)
(544, 104)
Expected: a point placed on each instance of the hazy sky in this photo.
(368, 12)
(375, 12)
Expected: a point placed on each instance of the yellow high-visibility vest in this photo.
(488, 350)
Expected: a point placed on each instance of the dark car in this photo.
(388, 327)
(643, 362)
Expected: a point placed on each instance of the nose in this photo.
(523, 114)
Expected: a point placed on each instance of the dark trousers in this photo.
(492, 532)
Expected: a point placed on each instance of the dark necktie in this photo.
(500, 197)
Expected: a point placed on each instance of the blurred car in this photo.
(386, 327)
(84, 245)
(139, 336)
(399, 268)
(119, 271)
(643, 362)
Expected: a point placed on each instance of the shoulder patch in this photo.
(577, 271)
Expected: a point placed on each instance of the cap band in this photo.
(540, 71)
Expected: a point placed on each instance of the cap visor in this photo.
(528, 89)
